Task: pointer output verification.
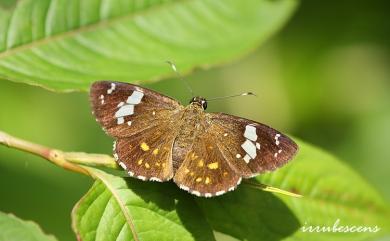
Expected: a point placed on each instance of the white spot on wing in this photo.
(129, 123)
(277, 139)
(249, 145)
(196, 193)
(135, 98)
(219, 193)
(225, 134)
(208, 194)
(142, 178)
(276, 153)
(238, 155)
(250, 133)
(121, 120)
(110, 90)
(125, 111)
(122, 165)
(249, 148)
(185, 188)
(155, 179)
(247, 158)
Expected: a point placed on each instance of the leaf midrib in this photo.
(85, 28)
(120, 203)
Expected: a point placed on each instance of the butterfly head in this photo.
(197, 100)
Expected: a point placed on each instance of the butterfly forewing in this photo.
(249, 147)
(125, 109)
(144, 123)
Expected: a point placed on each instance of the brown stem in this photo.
(66, 160)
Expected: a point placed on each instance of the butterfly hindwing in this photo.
(227, 149)
(250, 147)
(204, 171)
(124, 109)
(147, 156)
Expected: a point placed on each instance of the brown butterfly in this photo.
(206, 154)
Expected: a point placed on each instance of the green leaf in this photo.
(250, 214)
(118, 208)
(330, 190)
(65, 45)
(13, 228)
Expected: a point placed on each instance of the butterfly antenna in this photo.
(231, 96)
(173, 66)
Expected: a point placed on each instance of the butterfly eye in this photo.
(204, 104)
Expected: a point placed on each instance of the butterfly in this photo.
(206, 154)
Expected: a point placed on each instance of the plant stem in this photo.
(91, 159)
(269, 188)
(74, 161)
(66, 160)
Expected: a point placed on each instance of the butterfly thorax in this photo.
(192, 123)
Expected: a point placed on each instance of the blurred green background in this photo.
(325, 78)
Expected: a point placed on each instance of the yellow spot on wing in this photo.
(155, 151)
(207, 181)
(157, 164)
(147, 165)
(140, 161)
(225, 173)
(200, 163)
(186, 171)
(199, 179)
(144, 146)
(213, 165)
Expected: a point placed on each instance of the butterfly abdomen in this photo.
(190, 127)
